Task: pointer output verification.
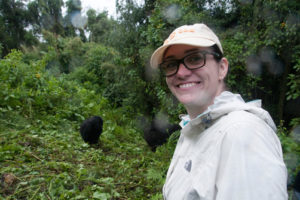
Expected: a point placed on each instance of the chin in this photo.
(192, 97)
(188, 102)
(201, 103)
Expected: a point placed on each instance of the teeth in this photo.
(187, 85)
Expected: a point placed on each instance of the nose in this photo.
(183, 71)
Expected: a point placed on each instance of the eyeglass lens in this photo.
(191, 61)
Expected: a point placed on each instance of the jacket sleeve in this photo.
(251, 165)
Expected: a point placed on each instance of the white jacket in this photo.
(230, 152)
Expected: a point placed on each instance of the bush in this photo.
(30, 90)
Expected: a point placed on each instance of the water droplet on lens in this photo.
(246, 1)
(267, 55)
(296, 134)
(172, 13)
(293, 19)
(254, 65)
(291, 160)
(276, 67)
(77, 20)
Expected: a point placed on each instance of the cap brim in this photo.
(158, 54)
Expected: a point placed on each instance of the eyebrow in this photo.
(185, 52)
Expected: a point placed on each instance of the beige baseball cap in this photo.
(198, 35)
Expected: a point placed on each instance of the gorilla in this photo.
(91, 129)
(158, 133)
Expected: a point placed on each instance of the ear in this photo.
(223, 69)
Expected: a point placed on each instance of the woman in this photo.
(228, 149)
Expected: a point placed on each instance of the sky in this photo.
(99, 6)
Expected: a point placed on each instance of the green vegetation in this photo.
(42, 155)
(49, 86)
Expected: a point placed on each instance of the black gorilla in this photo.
(158, 133)
(91, 129)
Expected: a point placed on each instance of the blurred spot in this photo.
(274, 65)
(172, 13)
(293, 19)
(142, 122)
(47, 21)
(246, 1)
(151, 73)
(291, 160)
(267, 54)
(268, 13)
(161, 121)
(296, 134)
(254, 65)
(77, 20)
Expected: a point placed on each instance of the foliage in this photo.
(258, 45)
(47, 15)
(33, 93)
(14, 18)
(64, 53)
(100, 27)
(290, 142)
(68, 71)
(74, 21)
(294, 80)
(42, 155)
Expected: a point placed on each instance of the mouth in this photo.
(188, 85)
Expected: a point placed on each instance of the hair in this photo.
(216, 49)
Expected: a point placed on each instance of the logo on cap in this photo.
(178, 31)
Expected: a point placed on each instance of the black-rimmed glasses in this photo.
(191, 61)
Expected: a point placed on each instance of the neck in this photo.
(195, 110)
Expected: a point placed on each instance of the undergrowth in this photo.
(57, 164)
(42, 155)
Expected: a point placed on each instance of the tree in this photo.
(74, 22)
(14, 19)
(260, 33)
(100, 27)
(47, 14)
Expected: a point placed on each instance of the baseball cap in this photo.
(195, 35)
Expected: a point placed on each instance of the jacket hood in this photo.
(225, 103)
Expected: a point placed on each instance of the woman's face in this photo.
(196, 89)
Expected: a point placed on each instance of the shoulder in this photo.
(243, 120)
(246, 131)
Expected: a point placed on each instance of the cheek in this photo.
(214, 73)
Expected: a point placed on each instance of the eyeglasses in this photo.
(191, 61)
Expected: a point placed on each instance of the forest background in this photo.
(57, 70)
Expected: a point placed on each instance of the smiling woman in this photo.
(196, 88)
(228, 149)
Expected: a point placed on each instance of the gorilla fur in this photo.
(91, 129)
(158, 133)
